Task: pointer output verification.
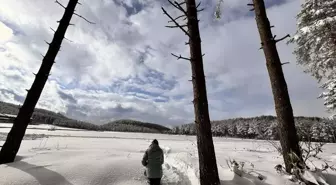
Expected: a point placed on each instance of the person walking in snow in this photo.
(153, 160)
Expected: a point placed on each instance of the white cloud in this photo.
(121, 67)
(5, 33)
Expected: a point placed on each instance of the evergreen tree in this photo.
(315, 42)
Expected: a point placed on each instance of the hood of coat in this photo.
(154, 147)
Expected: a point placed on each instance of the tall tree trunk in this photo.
(288, 135)
(206, 151)
(16, 134)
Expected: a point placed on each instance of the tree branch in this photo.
(52, 29)
(185, 17)
(68, 39)
(198, 4)
(79, 3)
(60, 4)
(284, 63)
(84, 18)
(180, 57)
(177, 24)
(182, 3)
(46, 42)
(64, 37)
(178, 6)
(199, 9)
(278, 40)
(251, 4)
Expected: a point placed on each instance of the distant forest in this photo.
(42, 116)
(261, 127)
(265, 127)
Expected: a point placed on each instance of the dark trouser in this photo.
(156, 181)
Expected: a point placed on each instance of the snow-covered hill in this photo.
(69, 157)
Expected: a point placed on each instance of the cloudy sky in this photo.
(121, 67)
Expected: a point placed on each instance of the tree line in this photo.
(314, 129)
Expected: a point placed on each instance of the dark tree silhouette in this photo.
(14, 138)
(206, 151)
(288, 134)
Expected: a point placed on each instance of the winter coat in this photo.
(153, 160)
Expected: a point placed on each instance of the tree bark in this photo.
(206, 151)
(17, 132)
(283, 108)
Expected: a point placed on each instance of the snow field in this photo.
(106, 158)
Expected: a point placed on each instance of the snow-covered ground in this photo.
(69, 157)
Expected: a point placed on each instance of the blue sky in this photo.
(121, 67)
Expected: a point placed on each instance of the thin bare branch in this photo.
(177, 24)
(185, 17)
(177, 7)
(46, 42)
(198, 5)
(71, 24)
(42, 55)
(79, 3)
(84, 18)
(284, 63)
(251, 4)
(180, 57)
(68, 39)
(182, 3)
(60, 4)
(202, 9)
(187, 43)
(278, 40)
(272, 26)
(180, 7)
(52, 29)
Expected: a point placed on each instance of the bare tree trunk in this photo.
(288, 135)
(206, 150)
(16, 134)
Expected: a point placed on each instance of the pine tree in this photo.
(283, 108)
(315, 42)
(14, 138)
(206, 151)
